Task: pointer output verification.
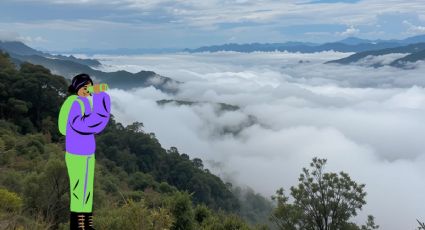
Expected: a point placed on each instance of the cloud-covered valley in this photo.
(368, 122)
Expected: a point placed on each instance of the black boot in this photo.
(77, 221)
(89, 221)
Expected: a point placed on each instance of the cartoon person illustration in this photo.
(84, 113)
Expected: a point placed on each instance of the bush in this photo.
(181, 208)
(133, 215)
(9, 201)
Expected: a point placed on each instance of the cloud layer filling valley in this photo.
(367, 122)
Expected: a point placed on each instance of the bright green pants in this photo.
(81, 177)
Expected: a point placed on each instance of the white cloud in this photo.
(350, 31)
(413, 29)
(206, 14)
(63, 25)
(190, 24)
(72, 2)
(365, 121)
(6, 35)
(380, 59)
(31, 40)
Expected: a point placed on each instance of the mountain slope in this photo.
(355, 41)
(411, 58)
(222, 106)
(71, 66)
(409, 50)
(20, 48)
(119, 79)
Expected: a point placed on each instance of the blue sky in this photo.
(69, 24)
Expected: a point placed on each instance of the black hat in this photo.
(79, 81)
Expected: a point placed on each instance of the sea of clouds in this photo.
(368, 122)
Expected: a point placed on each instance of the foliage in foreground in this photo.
(421, 225)
(322, 200)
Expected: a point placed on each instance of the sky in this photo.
(367, 122)
(63, 25)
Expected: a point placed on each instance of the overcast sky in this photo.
(100, 24)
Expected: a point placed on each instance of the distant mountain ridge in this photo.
(20, 48)
(233, 129)
(123, 51)
(411, 58)
(222, 106)
(70, 66)
(414, 53)
(351, 44)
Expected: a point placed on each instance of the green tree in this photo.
(370, 223)
(181, 208)
(198, 163)
(286, 216)
(322, 200)
(47, 193)
(201, 214)
(9, 201)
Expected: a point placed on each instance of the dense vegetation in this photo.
(139, 184)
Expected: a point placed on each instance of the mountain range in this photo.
(19, 48)
(70, 66)
(405, 51)
(351, 44)
(122, 51)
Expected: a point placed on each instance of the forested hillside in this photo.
(138, 183)
(70, 66)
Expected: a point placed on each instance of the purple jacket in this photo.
(80, 129)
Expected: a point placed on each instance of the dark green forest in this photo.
(138, 183)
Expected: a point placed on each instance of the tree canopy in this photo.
(322, 201)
